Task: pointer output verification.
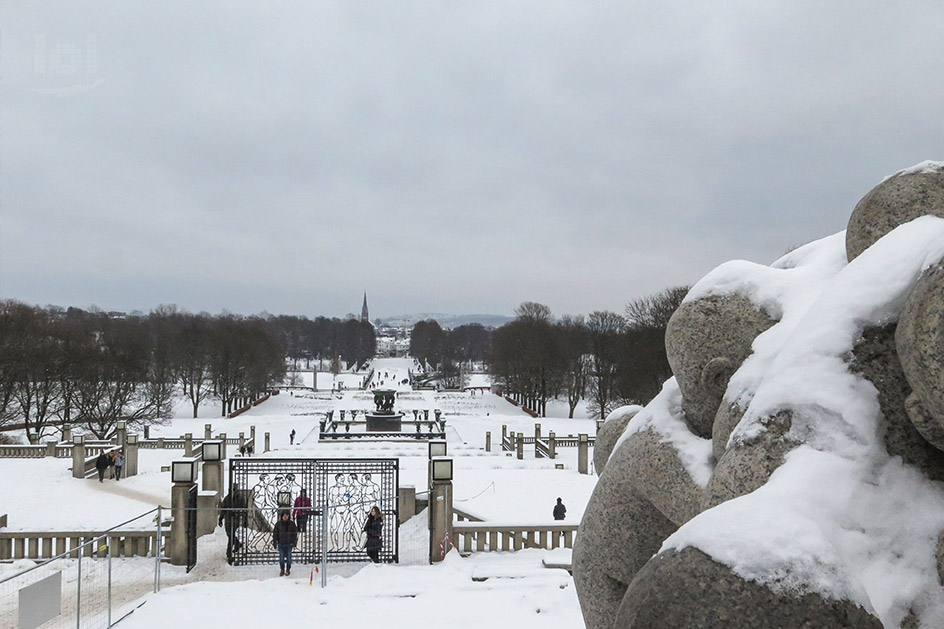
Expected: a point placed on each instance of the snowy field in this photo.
(509, 589)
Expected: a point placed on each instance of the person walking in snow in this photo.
(233, 514)
(284, 539)
(111, 463)
(291, 437)
(373, 526)
(302, 510)
(101, 464)
(560, 511)
(119, 463)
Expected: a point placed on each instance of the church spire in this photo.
(364, 314)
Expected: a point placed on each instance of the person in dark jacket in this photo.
(374, 529)
(233, 514)
(560, 511)
(302, 510)
(101, 464)
(284, 538)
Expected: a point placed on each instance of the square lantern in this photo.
(132, 440)
(122, 425)
(183, 472)
(437, 448)
(284, 499)
(212, 451)
(583, 438)
(78, 439)
(441, 469)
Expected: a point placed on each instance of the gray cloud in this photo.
(442, 156)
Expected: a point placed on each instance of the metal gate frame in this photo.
(191, 528)
(342, 491)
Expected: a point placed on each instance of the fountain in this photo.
(384, 418)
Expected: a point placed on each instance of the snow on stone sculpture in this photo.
(789, 474)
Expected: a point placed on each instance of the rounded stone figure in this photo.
(688, 589)
(920, 343)
(645, 493)
(609, 434)
(706, 341)
(899, 199)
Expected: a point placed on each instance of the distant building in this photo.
(365, 316)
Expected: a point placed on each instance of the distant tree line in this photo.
(303, 339)
(607, 358)
(447, 350)
(93, 369)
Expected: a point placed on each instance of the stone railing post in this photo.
(147, 432)
(66, 433)
(519, 446)
(488, 441)
(188, 444)
(179, 497)
(267, 443)
(583, 448)
(51, 448)
(440, 512)
(207, 432)
(537, 431)
(222, 438)
(552, 444)
(121, 434)
(242, 442)
(252, 433)
(78, 456)
(406, 502)
(131, 457)
(504, 431)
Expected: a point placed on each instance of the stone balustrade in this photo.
(49, 544)
(473, 537)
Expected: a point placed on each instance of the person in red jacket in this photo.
(302, 510)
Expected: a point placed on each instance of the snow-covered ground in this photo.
(40, 494)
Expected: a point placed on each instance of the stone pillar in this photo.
(207, 432)
(78, 460)
(252, 434)
(267, 443)
(504, 431)
(222, 438)
(406, 503)
(207, 517)
(177, 540)
(488, 441)
(583, 448)
(33, 439)
(131, 457)
(51, 448)
(242, 442)
(519, 446)
(600, 423)
(67, 432)
(552, 445)
(147, 432)
(537, 431)
(121, 435)
(213, 477)
(440, 518)
(188, 444)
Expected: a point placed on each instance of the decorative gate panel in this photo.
(343, 489)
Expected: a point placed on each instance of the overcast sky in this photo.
(444, 156)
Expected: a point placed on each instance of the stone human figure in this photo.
(291, 437)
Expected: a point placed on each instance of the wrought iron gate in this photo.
(342, 491)
(191, 528)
